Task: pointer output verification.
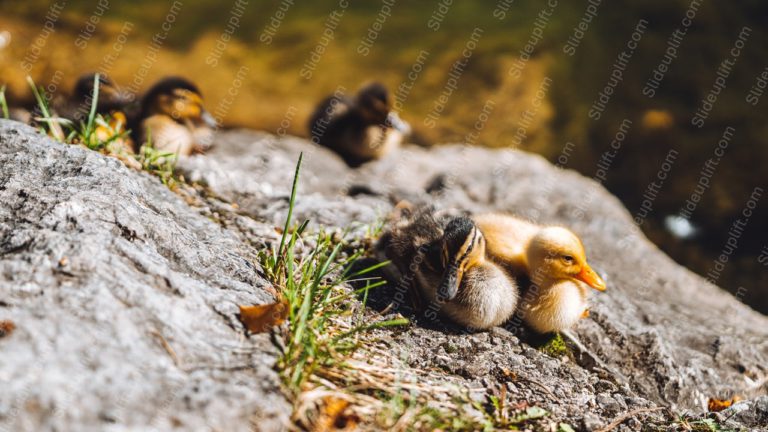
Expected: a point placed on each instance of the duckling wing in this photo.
(507, 238)
(322, 122)
(414, 234)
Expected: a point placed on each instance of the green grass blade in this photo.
(366, 270)
(380, 324)
(94, 102)
(39, 98)
(291, 203)
(302, 227)
(53, 127)
(4, 103)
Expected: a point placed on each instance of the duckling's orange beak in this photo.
(591, 278)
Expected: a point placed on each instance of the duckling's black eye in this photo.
(568, 259)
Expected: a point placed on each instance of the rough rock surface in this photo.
(125, 297)
(669, 337)
(124, 300)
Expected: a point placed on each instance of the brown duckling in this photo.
(173, 119)
(9, 108)
(445, 259)
(112, 127)
(360, 129)
(110, 100)
(554, 259)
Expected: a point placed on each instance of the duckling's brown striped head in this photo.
(374, 103)
(178, 98)
(463, 247)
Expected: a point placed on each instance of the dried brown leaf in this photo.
(334, 416)
(261, 318)
(717, 405)
(6, 328)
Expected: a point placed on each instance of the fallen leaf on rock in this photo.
(335, 417)
(509, 374)
(261, 318)
(717, 405)
(6, 328)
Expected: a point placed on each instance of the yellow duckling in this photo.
(445, 260)
(360, 129)
(553, 258)
(173, 119)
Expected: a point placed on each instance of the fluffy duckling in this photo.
(360, 129)
(110, 104)
(110, 99)
(445, 259)
(173, 118)
(20, 114)
(554, 259)
(11, 110)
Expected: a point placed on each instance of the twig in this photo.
(547, 390)
(167, 347)
(620, 419)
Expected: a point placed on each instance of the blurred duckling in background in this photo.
(553, 258)
(108, 101)
(360, 129)
(451, 271)
(173, 119)
(17, 113)
(111, 120)
(16, 108)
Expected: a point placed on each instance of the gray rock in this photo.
(675, 339)
(142, 263)
(124, 300)
(750, 413)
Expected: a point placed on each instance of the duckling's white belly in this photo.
(379, 141)
(488, 298)
(168, 136)
(554, 308)
(202, 138)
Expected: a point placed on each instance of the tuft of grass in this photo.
(323, 329)
(159, 163)
(4, 103)
(51, 125)
(98, 131)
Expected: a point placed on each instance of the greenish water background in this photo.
(272, 95)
